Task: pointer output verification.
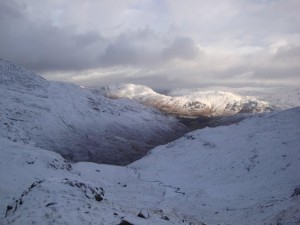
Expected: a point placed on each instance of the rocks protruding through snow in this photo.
(296, 192)
(124, 222)
(141, 215)
(165, 218)
(89, 191)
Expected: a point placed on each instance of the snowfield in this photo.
(244, 173)
(79, 123)
(40, 187)
(190, 103)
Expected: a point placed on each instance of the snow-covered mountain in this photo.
(247, 173)
(244, 173)
(280, 97)
(79, 123)
(191, 104)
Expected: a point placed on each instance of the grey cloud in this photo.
(260, 20)
(110, 36)
(133, 48)
(88, 38)
(249, 75)
(121, 52)
(181, 48)
(288, 53)
(173, 77)
(157, 81)
(11, 10)
(170, 80)
(291, 74)
(43, 47)
(143, 48)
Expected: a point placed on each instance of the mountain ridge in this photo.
(202, 103)
(79, 123)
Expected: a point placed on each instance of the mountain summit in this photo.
(194, 104)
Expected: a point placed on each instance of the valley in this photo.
(71, 155)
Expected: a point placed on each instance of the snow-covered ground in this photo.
(246, 173)
(79, 123)
(191, 102)
(40, 187)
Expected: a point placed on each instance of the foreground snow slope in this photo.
(40, 187)
(198, 103)
(80, 124)
(239, 174)
(247, 173)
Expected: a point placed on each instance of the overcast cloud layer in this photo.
(159, 43)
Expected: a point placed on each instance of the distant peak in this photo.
(127, 90)
(195, 102)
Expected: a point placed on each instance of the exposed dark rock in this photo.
(141, 215)
(33, 185)
(96, 193)
(98, 197)
(65, 165)
(124, 222)
(8, 208)
(165, 218)
(296, 192)
(51, 203)
(189, 136)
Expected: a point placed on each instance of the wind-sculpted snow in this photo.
(79, 123)
(193, 104)
(246, 173)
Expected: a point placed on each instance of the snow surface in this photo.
(79, 123)
(40, 187)
(190, 103)
(246, 173)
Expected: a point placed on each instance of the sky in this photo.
(163, 44)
